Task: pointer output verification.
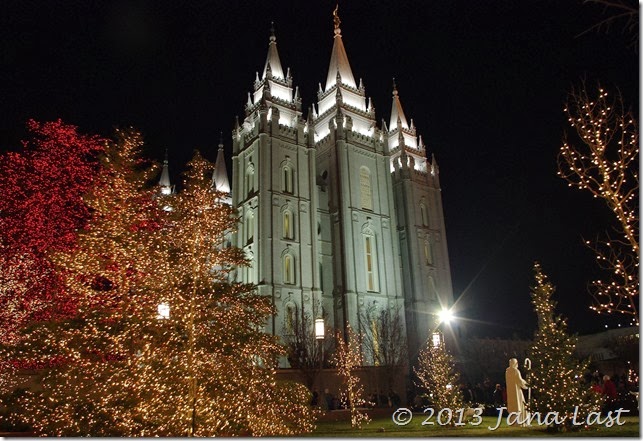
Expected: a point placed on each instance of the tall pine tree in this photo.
(556, 377)
(437, 375)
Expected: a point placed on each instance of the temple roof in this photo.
(220, 176)
(339, 60)
(397, 111)
(272, 59)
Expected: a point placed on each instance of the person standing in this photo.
(609, 391)
(515, 385)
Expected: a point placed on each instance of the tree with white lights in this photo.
(348, 357)
(556, 376)
(163, 343)
(437, 375)
(605, 163)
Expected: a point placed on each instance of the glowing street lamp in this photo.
(163, 311)
(436, 339)
(319, 329)
(319, 336)
(445, 316)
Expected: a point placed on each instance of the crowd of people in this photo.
(617, 390)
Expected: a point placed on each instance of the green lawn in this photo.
(385, 427)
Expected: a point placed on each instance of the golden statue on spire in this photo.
(336, 19)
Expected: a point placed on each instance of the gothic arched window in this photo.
(288, 224)
(370, 261)
(250, 179)
(250, 226)
(289, 269)
(288, 179)
(424, 214)
(365, 188)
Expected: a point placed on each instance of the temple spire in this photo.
(220, 176)
(338, 59)
(396, 111)
(272, 60)
(164, 182)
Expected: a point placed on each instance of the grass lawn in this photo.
(383, 426)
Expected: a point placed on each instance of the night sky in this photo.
(484, 81)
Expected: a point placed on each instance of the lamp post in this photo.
(319, 336)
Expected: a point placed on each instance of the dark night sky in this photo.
(485, 83)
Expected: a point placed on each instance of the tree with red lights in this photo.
(164, 344)
(41, 209)
(87, 386)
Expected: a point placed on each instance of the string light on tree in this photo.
(199, 365)
(556, 377)
(605, 163)
(348, 357)
(437, 375)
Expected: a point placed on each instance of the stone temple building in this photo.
(338, 214)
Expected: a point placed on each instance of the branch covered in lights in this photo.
(347, 358)
(605, 163)
(41, 209)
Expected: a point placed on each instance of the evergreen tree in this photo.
(90, 385)
(556, 377)
(222, 380)
(164, 344)
(436, 374)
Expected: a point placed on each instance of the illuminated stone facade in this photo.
(337, 213)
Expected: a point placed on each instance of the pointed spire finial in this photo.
(272, 31)
(221, 139)
(336, 20)
(166, 156)
(394, 87)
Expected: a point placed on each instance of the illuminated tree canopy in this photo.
(120, 368)
(605, 163)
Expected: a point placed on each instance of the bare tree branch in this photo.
(619, 10)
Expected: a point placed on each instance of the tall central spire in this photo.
(396, 110)
(273, 57)
(339, 59)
